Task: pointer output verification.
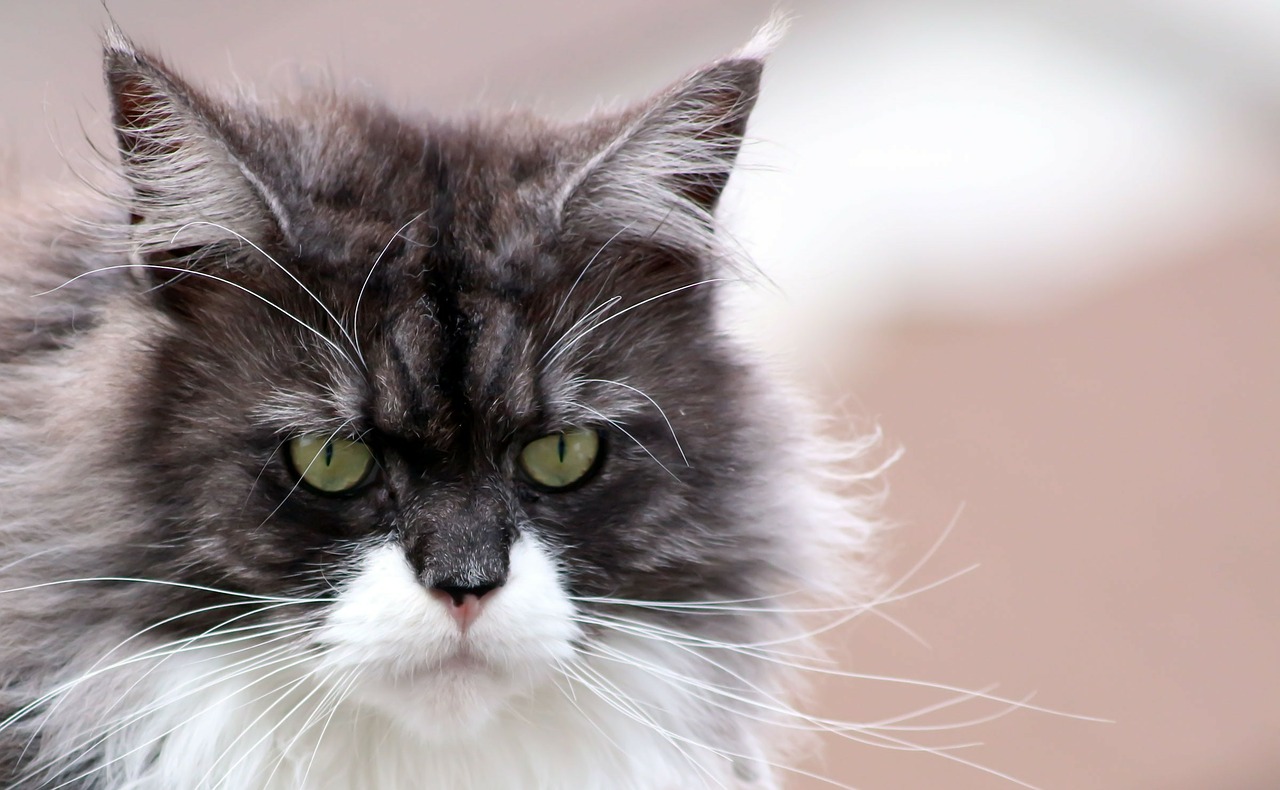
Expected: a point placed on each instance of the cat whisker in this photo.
(28, 557)
(190, 613)
(105, 730)
(951, 725)
(317, 711)
(349, 684)
(615, 698)
(257, 636)
(596, 325)
(554, 350)
(692, 645)
(165, 651)
(889, 595)
(810, 722)
(945, 755)
(928, 554)
(284, 654)
(65, 688)
(650, 630)
(94, 671)
(880, 733)
(784, 717)
(164, 583)
(618, 427)
(1011, 704)
(735, 606)
(288, 661)
(724, 753)
(302, 473)
(870, 607)
(661, 604)
(275, 726)
(355, 312)
(576, 679)
(942, 752)
(849, 611)
(644, 395)
(196, 273)
(248, 497)
(583, 272)
(569, 692)
(319, 302)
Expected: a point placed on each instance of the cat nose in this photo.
(463, 601)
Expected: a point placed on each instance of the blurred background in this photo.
(1038, 244)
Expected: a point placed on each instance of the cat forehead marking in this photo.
(457, 365)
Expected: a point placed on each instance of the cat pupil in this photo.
(328, 453)
(560, 447)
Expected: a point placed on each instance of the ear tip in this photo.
(744, 67)
(766, 38)
(123, 57)
(115, 40)
(117, 49)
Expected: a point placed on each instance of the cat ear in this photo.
(661, 174)
(191, 194)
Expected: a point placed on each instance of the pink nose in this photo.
(463, 604)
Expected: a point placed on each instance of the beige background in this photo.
(1038, 245)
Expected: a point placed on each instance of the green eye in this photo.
(329, 464)
(559, 460)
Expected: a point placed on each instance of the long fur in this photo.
(177, 612)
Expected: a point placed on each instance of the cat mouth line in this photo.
(463, 659)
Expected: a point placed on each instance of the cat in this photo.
(350, 449)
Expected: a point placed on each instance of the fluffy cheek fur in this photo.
(401, 652)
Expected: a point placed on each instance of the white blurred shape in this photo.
(945, 159)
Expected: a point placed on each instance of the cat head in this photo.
(441, 396)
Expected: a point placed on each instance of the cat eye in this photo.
(560, 459)
(329, 464)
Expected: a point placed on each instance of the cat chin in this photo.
(446, 705)
(408, 659)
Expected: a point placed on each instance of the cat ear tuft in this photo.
(661, 175)
(190, 192)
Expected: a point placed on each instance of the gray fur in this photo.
(447, 290)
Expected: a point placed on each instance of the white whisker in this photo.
(302, 473)
(349, 684)
(583, 273)
(596, 325)
(197, 273)
(644, 395)
(692, 644)
(282, 268)
(275, 726)
(554, 350)
(355, 312)
(163, 652)
(141, 746)
(104, 731)
(608, 692)
(618, 427)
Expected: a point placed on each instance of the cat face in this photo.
(427, 303)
